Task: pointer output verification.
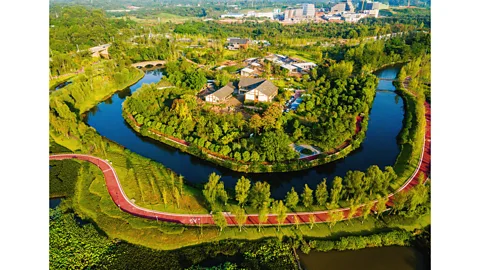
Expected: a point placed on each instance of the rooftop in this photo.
(224, 91)
(262, 85)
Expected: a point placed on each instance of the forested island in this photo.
(329, 117)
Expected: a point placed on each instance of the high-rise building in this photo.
(345, 5)
(308, 10)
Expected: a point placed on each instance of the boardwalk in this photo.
(121, 200)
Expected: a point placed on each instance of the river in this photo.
(379, 147)
(391, 258)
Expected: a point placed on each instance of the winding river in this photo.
(379, 147)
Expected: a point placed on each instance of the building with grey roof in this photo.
(257, 89)
(221, 94)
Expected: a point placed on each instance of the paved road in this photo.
(122, 201)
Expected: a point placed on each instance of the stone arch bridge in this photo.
(149, 63)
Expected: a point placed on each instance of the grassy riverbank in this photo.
(92, 202)
(411, 136)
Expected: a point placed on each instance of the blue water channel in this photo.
(379, 147)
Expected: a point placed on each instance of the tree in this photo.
(354, 184)
(222, 78)
(222, 194)
(240, 217)
(381, 205)
(176, 195)
(402, 75)
(366, 209)
(296, 219)
(241, 190)
(276, 146)
(399, 201)
(255, 123)
(260, 195)
(334, 217)
(321, 193)
(353, 210)
(262, 215)
(214, 189)
(377, 178)
(417, 196)
(311, 220)
(164, 196)
(390, 177)
(307, 196)
(219, 220)
(255, 156)
(279, 208)
(336, 191)
(180, 184)
(291, 199)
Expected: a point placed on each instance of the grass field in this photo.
(161, 18)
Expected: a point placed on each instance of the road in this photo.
(121, 200)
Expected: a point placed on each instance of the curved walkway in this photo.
(121, 200)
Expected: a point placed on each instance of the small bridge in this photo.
(387, 79)
(149, 63)
(99, 51)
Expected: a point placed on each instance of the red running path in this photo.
(122, 201)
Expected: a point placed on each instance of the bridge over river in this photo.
(149, 63)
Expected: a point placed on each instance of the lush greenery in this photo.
(63, 175)
(72, 26)
(73, 246)
(339, 89)
(394, 238)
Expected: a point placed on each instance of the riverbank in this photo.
(414, 128)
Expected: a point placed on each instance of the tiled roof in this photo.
(224, 91)
(262, 85)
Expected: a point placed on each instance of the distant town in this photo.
(343, 11)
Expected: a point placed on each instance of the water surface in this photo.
(391, 258)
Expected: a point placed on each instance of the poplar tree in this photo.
(311, 219)
(260, 195)
(399, 201)
(241, 190)
(321, 193)
(334, 217)
(176, 195)
(353, 210)
(366, 209)
(336, 191)
(219, 220)
(307, 196)
(240, 217)
(281, 210)
(291, 200)
(262, 215)
(381, 205)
